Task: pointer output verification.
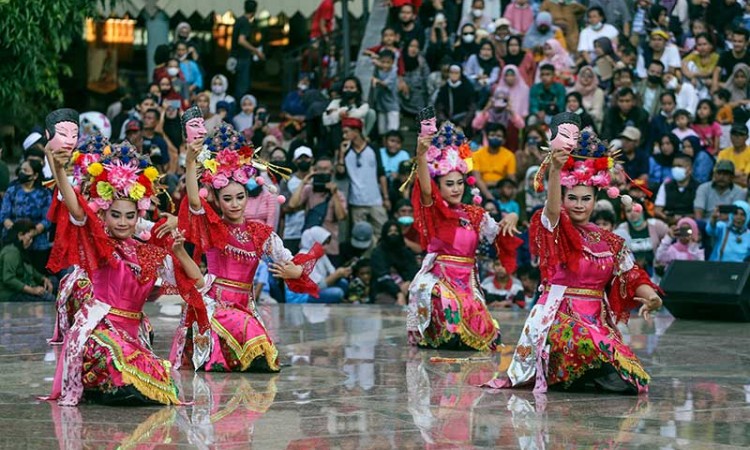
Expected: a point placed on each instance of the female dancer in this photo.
(238, 340)
(446, 305)
(103, 357)
(590, 280)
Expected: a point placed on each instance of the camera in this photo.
(726, 209)
(263, 117)
(320, 180)
(683, 232)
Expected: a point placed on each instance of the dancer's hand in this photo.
(423, 144)
(558, 159)
(179, 240)
(649, 305)
(285, 270)
(194, 149)
(508, 225)
(167, 227)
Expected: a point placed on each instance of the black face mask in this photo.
(348, 96)
(304, 166)
(255, 192)
(23, 178)
(654, 79)
(393, 240)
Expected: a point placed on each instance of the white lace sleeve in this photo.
(545, 221)
(489, 228)
(78, 223)
(143, 225)
(627, 260)
(197, 212)
(166, 272)
(275, 250)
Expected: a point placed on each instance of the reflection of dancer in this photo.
(102, 354)
(226, 409)
(446, 304)
(233, 245)
(570, 339)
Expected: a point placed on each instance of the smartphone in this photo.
(174, 104)
(726, 209)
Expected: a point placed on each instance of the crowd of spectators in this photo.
(667, 82)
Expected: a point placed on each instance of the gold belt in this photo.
(126, 314)
(234, 284)
(458, 259)
(580, 291)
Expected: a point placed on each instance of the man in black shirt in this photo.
(243, 50)
(729, 59)
(625, 113)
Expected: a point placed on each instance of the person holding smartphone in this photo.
(731, 237)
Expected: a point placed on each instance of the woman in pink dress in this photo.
(104, 357)
(589, 279)
(446, 304)
(233, 245)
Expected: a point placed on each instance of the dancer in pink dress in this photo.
(589, 279)
(103, 357)
(233, 245)
(446, 304)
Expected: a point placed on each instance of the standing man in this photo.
(323, 21)
(368, 187)
(243, 50)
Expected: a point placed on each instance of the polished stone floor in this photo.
(350, 382)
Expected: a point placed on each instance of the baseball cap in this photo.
(738, 128)
(362, 235)
(631, 133)
(502, 22)
(302, 151)
(133, 125)
(661, 33)
(724, 165)
(352, 122)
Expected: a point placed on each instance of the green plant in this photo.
(34, 34)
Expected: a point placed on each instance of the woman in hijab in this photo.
(416, 72)
(498, 111)
(246, 117)
(703, 162)
(466, 44)
(738, 83)
(555, 54)
(456, 100)
(518, 90)
(540, 32)
(574, 104)
(592, 95)
(731, 238)
(331, 281)
(522, 59)
(681, 244)
(483, 70)
(660, 164)
(183, 33)
(393, 266)
(219, 86)
(606, 60)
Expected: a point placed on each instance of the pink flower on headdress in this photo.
(583, 173)
(601, 179)
(228, 158)
(87, 159)
(461, 166)
(220, 181)
(433, 153)
(144, 203)
(568, 180)
(122, 176)
(444, 166)
(240, 176)
(101, 203)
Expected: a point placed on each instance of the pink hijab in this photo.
(560, 59)
(679, 246)
(517, 94)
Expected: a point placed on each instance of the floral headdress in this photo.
(594, 163)
(227, 156)
(110, 172)
(450, 152)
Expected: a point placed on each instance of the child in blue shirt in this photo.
(506, 197)
(392, 155)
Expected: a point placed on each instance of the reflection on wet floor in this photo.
(349, 381)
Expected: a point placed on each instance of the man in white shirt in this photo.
(659, 48)
(596, 29)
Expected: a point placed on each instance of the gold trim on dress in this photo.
(458, 259)
(234, 284)
(125, 313)
(580, 291)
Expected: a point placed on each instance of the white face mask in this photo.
(302, 86)
(468, 38)
(452, 83)
(672, 85)
(477, 13)
(173, 71)
(679, 173)
(598, 26)
(217, 89)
